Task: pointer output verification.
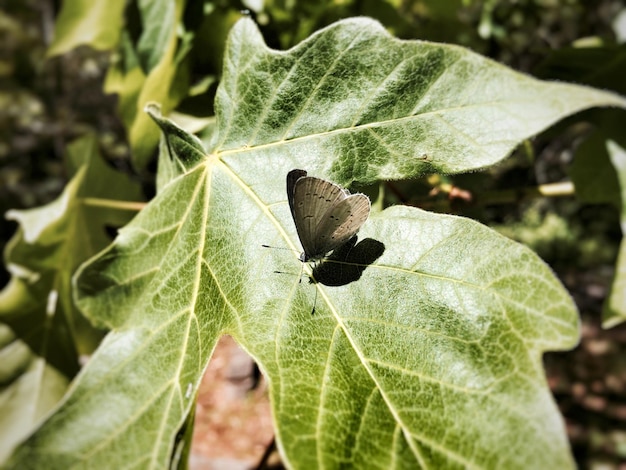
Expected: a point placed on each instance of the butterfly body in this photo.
(326, 216)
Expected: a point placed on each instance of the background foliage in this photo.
(52, 100)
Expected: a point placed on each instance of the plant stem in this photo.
(114, 204)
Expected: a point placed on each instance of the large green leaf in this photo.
(431, 359)
(41, 331)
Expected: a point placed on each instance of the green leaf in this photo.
(154, 38)
(615, 307)
(599, 174)
(154, 72)
(431, 359)
(157, 87)
(180, 150)
(602, 67)
(614, 312)
(85, 22)
(38, 361)
(594, 174)
(356, 104)
(42, 332)
(126, 79)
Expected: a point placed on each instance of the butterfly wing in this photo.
(342, 222)
(312, 200)
(292, 177)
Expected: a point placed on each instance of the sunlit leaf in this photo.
(431, 359)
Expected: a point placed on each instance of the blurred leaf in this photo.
(431, 359)
(87, 22)
(42, 332)
(164, 78)
(618, 159)
(126, 78)
(192, 124)
(619, 26)
(614, 312)
(599, 174)
(183, 443)
(211, 37)
(154, 40)
(615, 306)
(593, 173)
(443, 9)
(601, 67)
(37, 362)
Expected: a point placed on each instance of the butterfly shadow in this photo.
(347, 263)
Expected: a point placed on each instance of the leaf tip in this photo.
(153, 109)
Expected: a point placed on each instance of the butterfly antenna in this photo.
(314, 301)
(276, 247)
(301, 271)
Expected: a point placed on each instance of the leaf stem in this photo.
(114, 204)
(262, 465)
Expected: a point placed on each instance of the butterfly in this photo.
(325, 214)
